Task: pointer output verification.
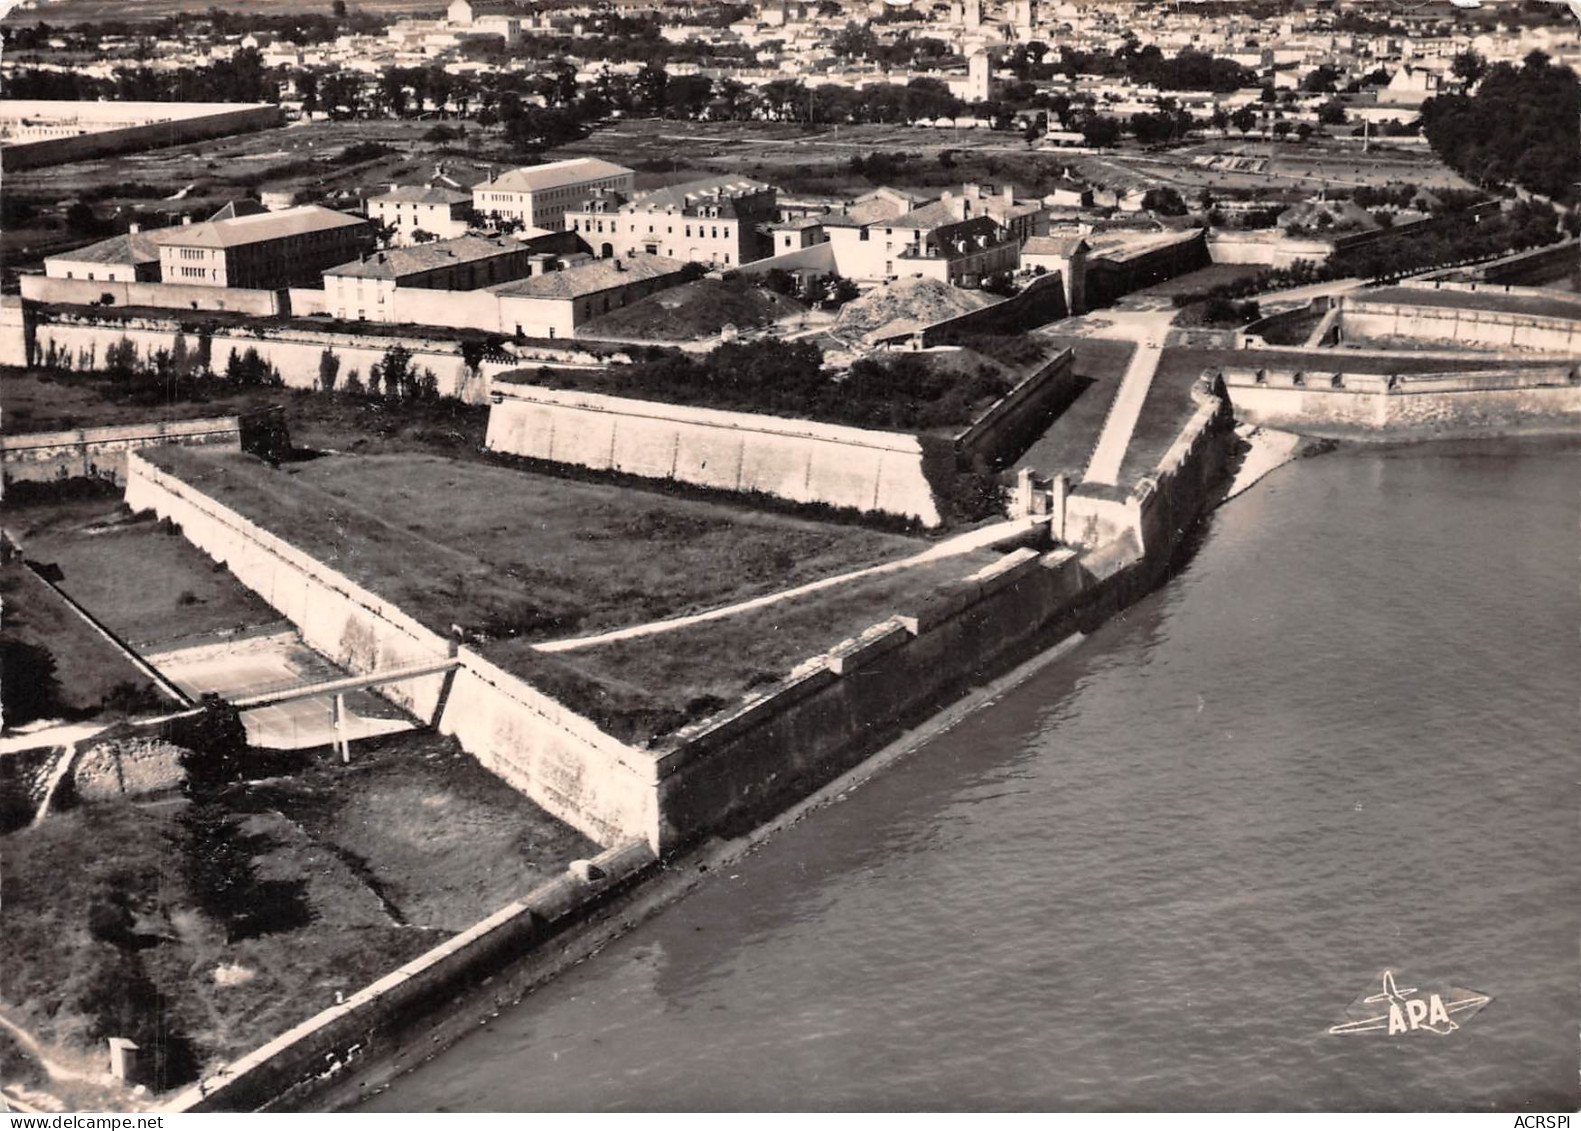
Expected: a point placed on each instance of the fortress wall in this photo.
(1463, 327)
(800, 460)
(356, 629)
(295, 353)
(1413, 409)
(560, 760)
(101, 452)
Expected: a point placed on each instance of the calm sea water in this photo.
(1343, 740)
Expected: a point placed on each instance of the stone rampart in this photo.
(336, 617)
(1460, 326)
(554, 756)
(1345, 405)
(101, 452)
(801, 460)
(557, 758)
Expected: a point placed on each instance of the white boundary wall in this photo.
(802, 460)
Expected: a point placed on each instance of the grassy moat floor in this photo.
(111, 926)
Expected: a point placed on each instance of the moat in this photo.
(1157, 872)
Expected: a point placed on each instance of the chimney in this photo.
(133, 228)
(971, 191)
(960, 207)
(1010, 194)
(186, 221)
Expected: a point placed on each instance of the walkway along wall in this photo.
(558, 759)
(802, 460)
(101, 452)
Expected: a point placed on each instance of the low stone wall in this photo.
(1375, 321)
(1010, 423)
(372, 1021)
(802, 460)
(1346, 405)
(1040, 302)
(101, 452)
(82, 345)
(88, 292)
(356, 629)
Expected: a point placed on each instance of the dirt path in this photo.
(1147, 330)
(954, 547)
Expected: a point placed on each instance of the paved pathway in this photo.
(1147, 330)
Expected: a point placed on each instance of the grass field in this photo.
(705, 666)
(150, 587)
(87, 668)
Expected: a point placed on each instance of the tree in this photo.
(1100, 132)
(1469, 66)
(328, 369)
(1332, 113)
(338, 9)
(1281, 129)
(1165, 201)
(1304, 130)
(1244, 119)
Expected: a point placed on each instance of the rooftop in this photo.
(682, 196)
(399, 262)
(536, 178)
(590, 278)
(255, 229)
(134, 247)
(423, 194)
(1052, 245)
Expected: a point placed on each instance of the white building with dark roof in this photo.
(555, 304)
(365, 288)
(434, 209)
(540, 195)
(132, 258)
(721, 220)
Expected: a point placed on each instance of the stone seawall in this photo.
(1413, 409)
(101, 452)
(801, 460)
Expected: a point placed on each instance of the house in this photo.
(553, 305)
(793, 235)
(132, 258)
(364, 288)
(715, 220)
(1023, 218)
(540, 195)
(410, 209)
(266, 251)
(953, 239)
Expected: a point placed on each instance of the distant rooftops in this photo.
(256, 229)
(536, 178)
(401, 262)
(589, 278)
(678, 198)
(423, 194)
